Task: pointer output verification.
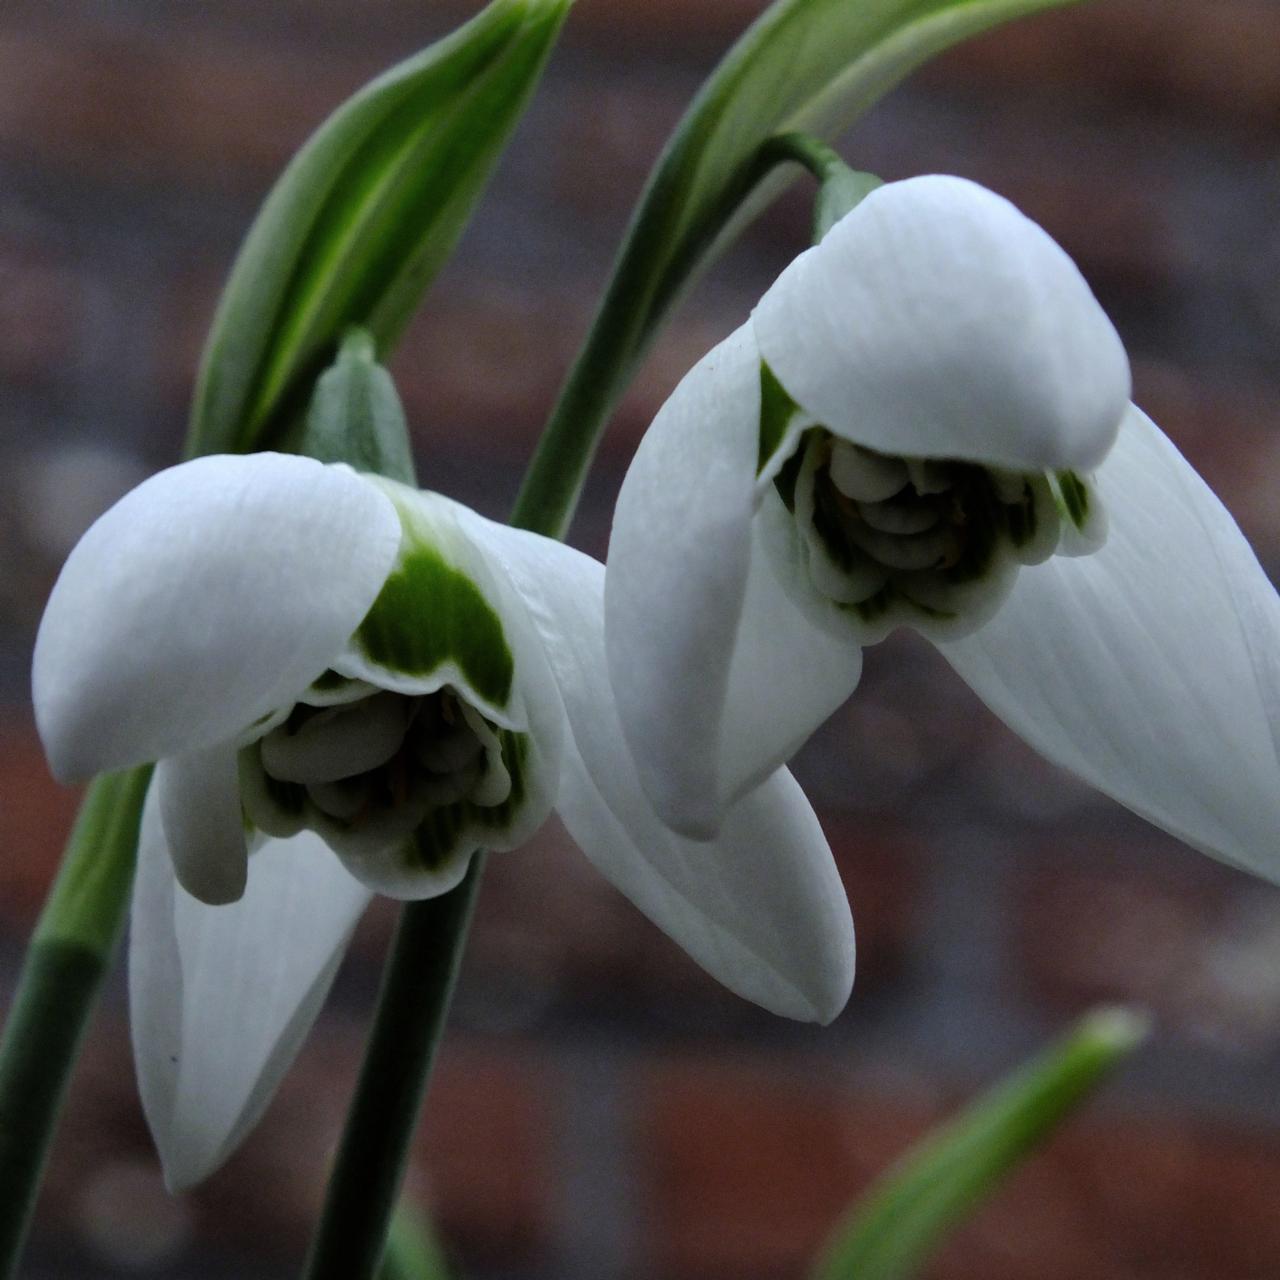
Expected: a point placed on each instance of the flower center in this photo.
(925, 542)
(371, 770)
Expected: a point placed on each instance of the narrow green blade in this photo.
(909, 1210)
(362, 220)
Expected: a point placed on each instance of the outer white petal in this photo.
(221, 997)
(1151, 669)
(199, 795)
(935, 320)
(762, 907)
(718, 677)
(205, 597)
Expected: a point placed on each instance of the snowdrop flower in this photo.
(926, 423)
(325, 663)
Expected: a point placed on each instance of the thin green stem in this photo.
(821, 160)
(57, 989)
(553, 483)
(631, 312)
(416, 991)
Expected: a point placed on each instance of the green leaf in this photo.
(812, 66)
(362, 220)
(939, 1183)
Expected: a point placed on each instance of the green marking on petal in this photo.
(429, 613)
(777, 409)
(1075, 497)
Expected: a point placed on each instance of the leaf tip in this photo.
(1117, 1030)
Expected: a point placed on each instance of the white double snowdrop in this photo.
(926, 422)
(324, 663)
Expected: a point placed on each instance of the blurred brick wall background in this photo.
(603, 1111)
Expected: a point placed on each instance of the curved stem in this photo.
(416, 991)
(821, 160)
(627, 320)
(57, 989)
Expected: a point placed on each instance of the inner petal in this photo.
(337, 742)
(865, 476)
(932, 543)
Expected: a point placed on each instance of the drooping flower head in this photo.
(926, 423)
(326, 663)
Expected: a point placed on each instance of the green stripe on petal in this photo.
(429, 614)
(777, 409)
(1075, 497)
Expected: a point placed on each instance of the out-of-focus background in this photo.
(603, 1111)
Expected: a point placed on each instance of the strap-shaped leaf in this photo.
(363, 218)
(812, 66)
(908, 1212)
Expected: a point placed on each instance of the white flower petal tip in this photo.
(937, 321)
(206, 596)
(221, 997)
(199, 797)
(1151, 669)
(761, 907)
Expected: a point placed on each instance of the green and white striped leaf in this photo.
(812, 66)
(892, 1232)
(362, 220)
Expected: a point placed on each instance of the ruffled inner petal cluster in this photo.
(416, 779)
(931, 543)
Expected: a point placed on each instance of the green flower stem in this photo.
(840, 188)
(619, 337)
(804, 149)
(57, 989)
(412, 1006)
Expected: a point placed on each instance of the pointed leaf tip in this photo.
(891, 1233)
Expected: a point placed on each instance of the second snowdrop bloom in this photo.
(324, 663)
(926, 423)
